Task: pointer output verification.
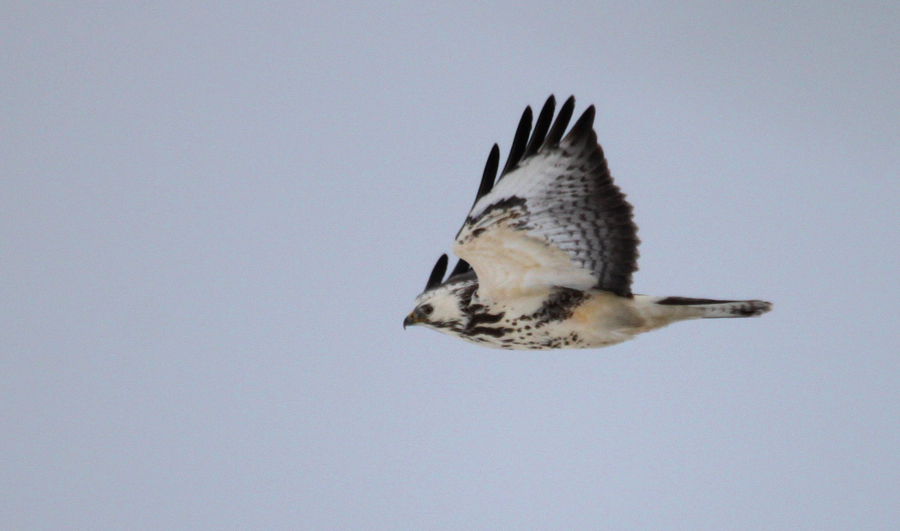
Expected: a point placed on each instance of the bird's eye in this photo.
(426, 309)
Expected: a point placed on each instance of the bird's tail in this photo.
(710, 308)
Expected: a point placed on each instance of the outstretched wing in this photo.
(554, 218)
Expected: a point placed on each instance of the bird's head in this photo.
(438, 308)
(442, 305)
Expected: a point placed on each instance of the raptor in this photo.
(547, 253)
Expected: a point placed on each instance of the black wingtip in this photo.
(520, 140)
(461, 267)
(490, 173)
(583, 126)
(562, 121)
(541, 127)
(437, 274)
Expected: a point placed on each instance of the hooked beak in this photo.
(409, 321)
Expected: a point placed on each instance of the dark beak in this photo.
(409, 321)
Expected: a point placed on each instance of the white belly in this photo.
(600, 320)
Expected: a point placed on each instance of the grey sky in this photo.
(215, 217)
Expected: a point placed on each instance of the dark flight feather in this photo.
(541, 127)
(437, 274)
(584, 126)
(489, 174)
(461, 267)
(520, 140)
(562, 121)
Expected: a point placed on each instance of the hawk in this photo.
(547, 253)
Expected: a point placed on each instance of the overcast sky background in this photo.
(215, 217)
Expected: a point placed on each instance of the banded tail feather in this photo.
(712, 309)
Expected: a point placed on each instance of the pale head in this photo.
(441, 307)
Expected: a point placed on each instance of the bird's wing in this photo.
(554, 218)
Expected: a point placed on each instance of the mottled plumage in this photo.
(548, 251)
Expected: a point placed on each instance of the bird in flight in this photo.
(547, 253)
